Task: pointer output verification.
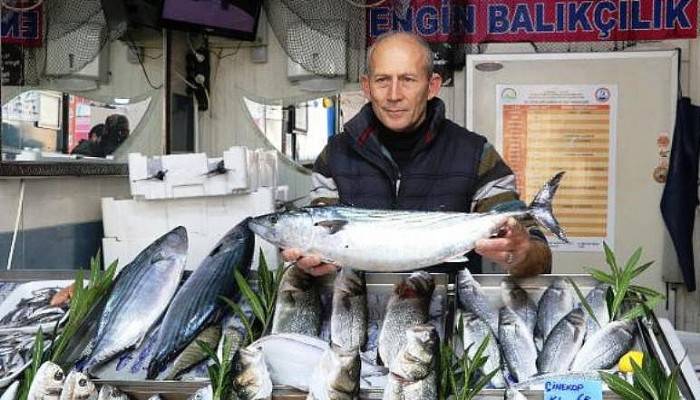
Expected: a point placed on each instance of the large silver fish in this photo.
(252, 380)
(563, 343)
(109, 392)
(517, 345)
(47, 382)
(475, 331)
(78, 386)
(298, 306)
(472, 299)
(518, 300)
(605, 347)
(408, 306)
(596, 299)
(391, 240)
(140, 295)
(555, 303)
(337, 375)
(413, 373)
(198, 302)
(193, 354)
(349, 314)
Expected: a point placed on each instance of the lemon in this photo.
(625, 364)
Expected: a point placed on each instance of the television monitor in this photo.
(236, 19)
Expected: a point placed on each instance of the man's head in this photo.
(400, 80)
(117, 126)
(96, 133)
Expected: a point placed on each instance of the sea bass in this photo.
(252, 380)
(475, 332)
(47, 382)
(555, 303)
(408, 306)
(197, 303)
(337, 376)
(596, 299)
(349, 314)
(78, 387)
(605, 347)
(393, 240)
(518, 300)
(563, 343)
(413, 373)
(472, 299)
(140, 295)
(517, 345)
(298, 306)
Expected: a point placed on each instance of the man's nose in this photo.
(395, 93)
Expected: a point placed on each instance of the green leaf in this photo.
(610, 259)
(642, 309)
(637, 271)
(645, 291)
(609, 299)
(631, 264)
(671, 390)
(601, 276)
(583, 301)
(250, 296)
(244, 319)
(621, 387)
(644, 380)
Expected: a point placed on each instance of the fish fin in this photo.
(333, 225)
(457, 259)
(541, 207)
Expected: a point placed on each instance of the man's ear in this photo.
(364, 84)
(434, 85)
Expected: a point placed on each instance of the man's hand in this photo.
(309, 263)
(516, 251)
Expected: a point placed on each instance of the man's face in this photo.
(398, 85)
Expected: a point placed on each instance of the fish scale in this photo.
(563, 343)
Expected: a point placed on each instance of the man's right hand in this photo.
(309, 263)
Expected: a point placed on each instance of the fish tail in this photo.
(541, 207)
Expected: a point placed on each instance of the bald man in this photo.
(400, 152)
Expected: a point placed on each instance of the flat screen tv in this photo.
(237, 19)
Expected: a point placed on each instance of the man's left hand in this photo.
(514, 250)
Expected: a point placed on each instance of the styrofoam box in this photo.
(189, 175)
(131, 225)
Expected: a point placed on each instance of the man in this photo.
(401, 152)
(91, 147)
(116, 132)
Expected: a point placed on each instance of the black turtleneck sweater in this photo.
(401, 145)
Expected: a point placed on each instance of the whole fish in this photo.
(475, 332)
(596, 299)
(109, 392)
(517, 299)
(204, 393)
(78, 386)
(298, 306)
(193, 354)
(47, 382)
(140, 295)
(252, 380)
(198, 302)
(517, 345)
(605, 347)
(472, 299)
(11, 392)
(369, 240)
(337, 375)
(408, 306)
(350, 313)
(563, 343)
(554, 304)
(413, 374)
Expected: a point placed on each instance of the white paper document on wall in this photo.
(544, 129)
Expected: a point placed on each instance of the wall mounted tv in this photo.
(237, 19)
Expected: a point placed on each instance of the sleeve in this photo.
(496, 189)
(324, 191)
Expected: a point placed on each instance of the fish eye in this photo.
(58, 376)
(274, 219)
(82, 382)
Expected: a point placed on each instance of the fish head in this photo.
(343, 368)
(108, 392)
(416, 359)
(419, 284)
(290, 229)
(296, 283)
(52, 377)
(83, 387)
(560, 285)
(174, 243)
(351, 281)
(204, 393)
(252, 377)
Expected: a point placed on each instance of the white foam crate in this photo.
(188, 175)
(131, 225)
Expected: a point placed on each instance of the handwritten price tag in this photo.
(565, 389)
